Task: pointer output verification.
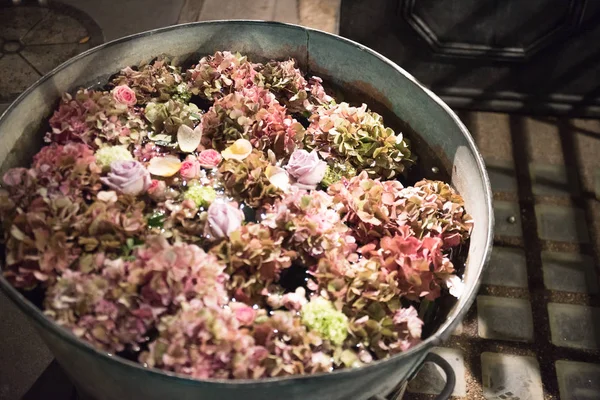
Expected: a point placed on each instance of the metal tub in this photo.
(342, 62)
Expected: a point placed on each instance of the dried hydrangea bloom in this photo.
(254, 114)
(336, 171)
(420, 264)
(204, 341)
(247, 181)
(434, 208)
(69, 169)
(294, 349)
(179, 221)
(321, 316)
(99, 308)
(105, 226)
(166, 118)
(291, 88)
(369, 292)
(376, 209)
(158, 81)
(167, 275)
(220, 74)
(255, 258)
(106, 155)
(310, 223)
(95, 118)
(41, 242)
(368, 206)
(357, 135)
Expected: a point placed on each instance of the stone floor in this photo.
(534, 331)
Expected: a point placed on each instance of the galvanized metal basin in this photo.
(340, 61)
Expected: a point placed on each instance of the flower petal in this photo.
(278, 177)
(188, 138)
(164, 166)
(239, 150)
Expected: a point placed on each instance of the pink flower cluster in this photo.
(252, 113)
(232, 243)
(96, 118)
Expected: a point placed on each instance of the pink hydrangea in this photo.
(220, 74)
(68, 169)
(252, 113)
(310, 223)
(95, 118)
(169, 274)
(206, 342)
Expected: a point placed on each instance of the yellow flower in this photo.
(164, 166)
(239, 150)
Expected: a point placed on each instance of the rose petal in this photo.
(278, 177)
(164, 166)
(188, 138)
(239, 150)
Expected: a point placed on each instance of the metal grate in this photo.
(538, 339)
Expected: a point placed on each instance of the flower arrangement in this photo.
(230, 241)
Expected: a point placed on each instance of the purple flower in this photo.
(223, 218)
(306, 168)
(128, 177)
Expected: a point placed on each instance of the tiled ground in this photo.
(534, 332)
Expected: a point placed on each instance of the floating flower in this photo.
(306, 168)
(107, 196)
(124, 95)
(239, 150)
(278, 177)
(321, 316)
(164, 166)
(203, 196)
(455, 285)
(157, 189)
(105, 156)
(188, 139)
(209, 158)
(223, 219)
(128, 177)
(190, 168)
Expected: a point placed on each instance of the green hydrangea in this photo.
(201, 195)
(321, 316)
(336, 172)
(109, 154)
(166, 118)
(358, 136)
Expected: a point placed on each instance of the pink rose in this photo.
(306, 168)
(124, 95)
(157, 189)
(209, 158)
(244, 313)
(223, 218)
(190, 169)
(128, 177)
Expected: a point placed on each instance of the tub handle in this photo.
(446, 392)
